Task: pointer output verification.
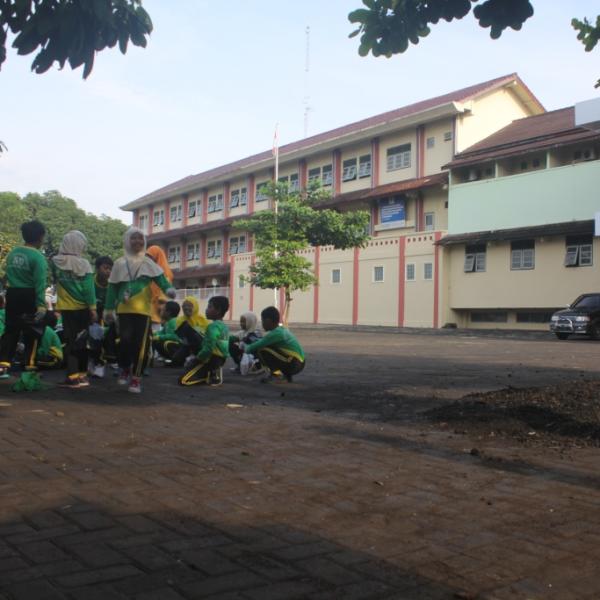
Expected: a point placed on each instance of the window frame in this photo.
(430, 227)
(425, 268)
(349, 169)
(192, 209)
(365, 166)
(475, 258)
(327, 175)
(374, 276)
(575, 247)
(519, 250)
(399, 157)
(261, 197)
(411, 269)
(332, 278)
(430, 142)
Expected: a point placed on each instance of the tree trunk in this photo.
(286, 308)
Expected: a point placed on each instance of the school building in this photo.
(394, 165)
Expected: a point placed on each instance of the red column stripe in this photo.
(205, 206)
(150, 219)
(226, 200)
(401, 280)
(420, 150)
(355, 274)
(317, 269)
(337, 172)
(251, 184)
(186, 205)
(303, 175)
(436, 282)
(374, 162)
(231, 286)
(167, 215)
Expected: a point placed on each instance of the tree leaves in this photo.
(72, 31)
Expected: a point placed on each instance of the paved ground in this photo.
(330, 488)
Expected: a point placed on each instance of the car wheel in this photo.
(595, 330)
(562, 336)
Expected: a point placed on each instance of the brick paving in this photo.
(329, 488)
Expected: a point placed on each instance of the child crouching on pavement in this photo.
(248, 334)
(278, 350)
(166, 341)
(206, 367)
(49, 353)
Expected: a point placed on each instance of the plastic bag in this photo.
(29, 381)
(246, 362)
(96, 331)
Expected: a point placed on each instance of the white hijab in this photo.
(133, 265)
(251, 323)
(69, 254)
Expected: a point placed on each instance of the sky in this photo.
(216, 77)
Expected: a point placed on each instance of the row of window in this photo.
(501, 316)
(578, 253)
(214, 249)
(378, 275)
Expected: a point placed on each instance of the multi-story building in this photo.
(390, 165)
(520, 240)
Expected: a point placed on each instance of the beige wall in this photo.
(335, 299)
(489, 113)
(434, 200)
(397, 139)
(549, 285)
(419, 293)
(442, 151)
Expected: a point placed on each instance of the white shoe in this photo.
(123, 378)
(135, 387)
(98, 371)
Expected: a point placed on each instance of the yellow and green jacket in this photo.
(167, 332)
(280, 339)
(74, 292)
(216, 341)
(134, 297)
(49, 345)
(26, 267)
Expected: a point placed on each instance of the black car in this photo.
(580, 318)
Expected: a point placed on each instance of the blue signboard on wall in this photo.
(392, 212)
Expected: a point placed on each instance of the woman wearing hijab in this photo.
(130, 294)
(190, 328)
(157, 254)
(248, 334)
(76, 301)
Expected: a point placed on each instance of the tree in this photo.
(71, 30)
(59, 215)
(388, 27)
(297, 224)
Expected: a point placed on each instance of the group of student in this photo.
(124, 313)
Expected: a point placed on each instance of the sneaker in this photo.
(83, 380)
(135, 387)
(123, 377)
(216, 377)
(71, 382)
(98, 371)
(4, 373)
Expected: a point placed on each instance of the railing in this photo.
(202, 294)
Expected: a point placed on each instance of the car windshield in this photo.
(588, 302)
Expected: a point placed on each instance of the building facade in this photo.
(390, 165)
(520, 241)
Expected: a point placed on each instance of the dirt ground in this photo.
(399, 465)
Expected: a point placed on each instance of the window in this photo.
(143, 222)
(349, 169)
(192, 207)
(377, 274)
(327, 177)
(175, 213)
(159, 218)
(193, 251)
(579, 251)
(398, 157)
(429, 221)
(215, 203)
(214, 248)
(237, 245)
(241, 282)
(410, 272)
(489, 316)
(314, 174)
(448, 136)
(174, 254)
(243, 196)
(475, 258)
(234, 202)
(522, 255)
(430, 142)
(336, 276)
(534, 316)
(261, 191)
(294, 182)
(428, 271)
(364, 166)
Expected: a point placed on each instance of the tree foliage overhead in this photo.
(59, 215)
(297, 225)
(388, 27)
(71, 31)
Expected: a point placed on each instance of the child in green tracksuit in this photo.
(76, 301)
(50, 352)
(207, 366)
(278, 350)
(130, 293)
(166, 341)
(26, 272)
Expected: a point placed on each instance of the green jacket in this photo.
(167, 332)
(216, 341)
(280, 339)
(74, 292)
(134, 297)
(26, 268)
(50, 344)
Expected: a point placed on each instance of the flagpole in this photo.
(276, 207)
